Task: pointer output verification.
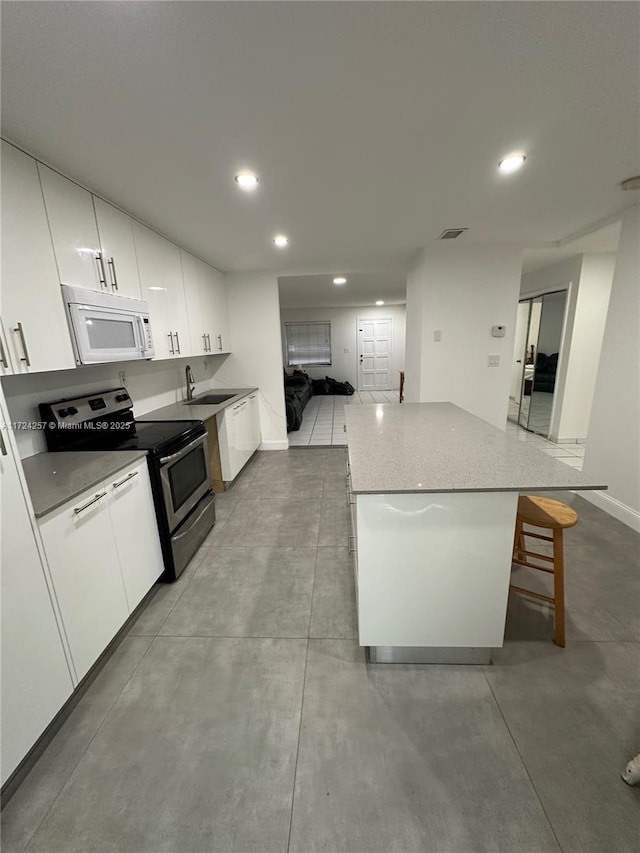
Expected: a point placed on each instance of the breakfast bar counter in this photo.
(433, 493)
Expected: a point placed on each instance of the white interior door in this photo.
(374, 354)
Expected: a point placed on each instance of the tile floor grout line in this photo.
(526, 769)
(91, 740)
(295, 770)
(304, 685)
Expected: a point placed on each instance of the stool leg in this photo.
(518, 539)
(558, 584)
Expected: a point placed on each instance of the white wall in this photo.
(344, 336)
(151, 384)
(463, 291)
(554, 277)
(256, 357)
(414, 327)
(584, 347)
(613, 447)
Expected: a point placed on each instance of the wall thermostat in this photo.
(498, 331)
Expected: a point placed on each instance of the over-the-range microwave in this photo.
(107, 327)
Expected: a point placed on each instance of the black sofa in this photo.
(298, 390)
(545, 375)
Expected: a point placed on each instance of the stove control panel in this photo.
(112, 404)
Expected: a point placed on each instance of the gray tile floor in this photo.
(239, 714)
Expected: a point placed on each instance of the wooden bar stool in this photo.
(550, 515)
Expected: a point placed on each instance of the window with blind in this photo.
(308, 343)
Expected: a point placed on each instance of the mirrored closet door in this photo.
(539, 328)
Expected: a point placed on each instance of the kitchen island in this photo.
(433, 493)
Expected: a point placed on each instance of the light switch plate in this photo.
(347, 349)
(494, 361)
(437, 335)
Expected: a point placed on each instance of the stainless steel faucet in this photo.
(191, 387)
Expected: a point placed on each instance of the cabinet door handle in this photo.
(102, 278)
(204, 342)
(3, 446)
(3, 355)
(126, 479)
(80, 509)
(23, 341)
(112, 271)
(208, 342)
(171, 349)
(177, 343)
(220, 342)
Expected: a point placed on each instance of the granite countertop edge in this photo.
(480, 490)
(183, 412)
(54, 479)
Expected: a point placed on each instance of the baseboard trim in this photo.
(275, 445)
(616, 508)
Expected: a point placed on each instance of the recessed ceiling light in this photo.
(379, 301)
(340, 280)
(511, 163)
(281, 241)
(247, 181)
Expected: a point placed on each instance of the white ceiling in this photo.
(601, 240)
(373, 126)
(314, 291)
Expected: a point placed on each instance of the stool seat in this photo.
(545, 513)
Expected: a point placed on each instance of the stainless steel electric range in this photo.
(177, 456)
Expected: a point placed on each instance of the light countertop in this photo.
(182, 412)
(55, 478)
(439, 447)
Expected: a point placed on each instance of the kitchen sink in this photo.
(209, 399)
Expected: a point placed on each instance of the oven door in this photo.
(101, 334)
(185, 479)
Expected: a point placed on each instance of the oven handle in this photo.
(164, 460)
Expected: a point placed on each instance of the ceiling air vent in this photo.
(452, 233)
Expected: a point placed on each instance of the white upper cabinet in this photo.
(73, 231)
(191, 275)
(118, 247)
(221, 322)
(162, 287)
(206, 306)
(36, 680)
(36, 331)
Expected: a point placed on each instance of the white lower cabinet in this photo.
(84, 564)
(238, 436)
(133, 520)
(104, 555)
(36, 681)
